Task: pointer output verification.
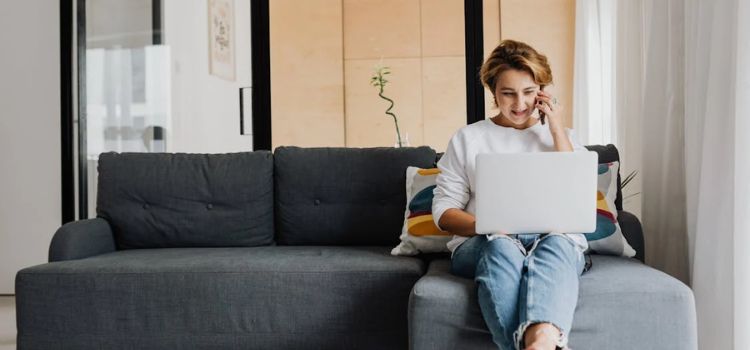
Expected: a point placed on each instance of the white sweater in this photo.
(456, 183)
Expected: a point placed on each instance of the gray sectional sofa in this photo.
(291, 251)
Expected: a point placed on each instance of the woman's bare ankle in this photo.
(541, 336)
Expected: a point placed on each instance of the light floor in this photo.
(7, 323)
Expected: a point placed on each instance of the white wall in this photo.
(205, 108)
(30, 209)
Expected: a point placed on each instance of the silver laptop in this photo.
(536, 192)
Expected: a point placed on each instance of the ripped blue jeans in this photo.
(522, 280)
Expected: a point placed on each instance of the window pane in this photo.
(127, 83)
(178, 96)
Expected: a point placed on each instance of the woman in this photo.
(527, 284)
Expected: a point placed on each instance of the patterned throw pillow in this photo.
(419, 233)
(608, 238)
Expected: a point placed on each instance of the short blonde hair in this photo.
(511, 54)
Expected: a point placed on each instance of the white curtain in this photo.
(608, 86)
(593, 88)
(742, 181)
(629, 43)
(717, 91)
(663, 139)
(682, 118)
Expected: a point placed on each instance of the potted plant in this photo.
(379, 81)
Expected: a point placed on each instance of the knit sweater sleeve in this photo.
(452, 190)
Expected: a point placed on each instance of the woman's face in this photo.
(515, 94)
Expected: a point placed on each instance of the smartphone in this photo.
(541, 114)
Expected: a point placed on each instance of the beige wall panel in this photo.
(491, 25)
(491, 36)
(548, 26)
(443, 99)
(367, 125)
(307, 83)
(443, 28)
(380, 28)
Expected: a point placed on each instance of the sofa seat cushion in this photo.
(249, 297)
(622, 304)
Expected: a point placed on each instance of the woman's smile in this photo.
(519, 115)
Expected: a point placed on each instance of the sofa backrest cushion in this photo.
(607, 154)
(158, 200)
(343, 196)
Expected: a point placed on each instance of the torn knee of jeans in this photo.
(518, 335)
(566, 238)
(515, 241)
(561, 235)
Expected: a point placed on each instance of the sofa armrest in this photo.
(633, 232)
(82, 239)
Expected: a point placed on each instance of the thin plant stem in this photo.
(629, 178)
(632, 195)
(388, 111)
(380, 81)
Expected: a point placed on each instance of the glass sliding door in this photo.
(124, 91)
(159, 76)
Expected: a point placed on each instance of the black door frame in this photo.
(83, 168)
(261, 70)
(68, 83)
(67, 173)
(474, 41)
(261, 92)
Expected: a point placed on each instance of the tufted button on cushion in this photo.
(209, 206)
(317, 202)
(146, 206)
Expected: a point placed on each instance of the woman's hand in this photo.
(548, 105)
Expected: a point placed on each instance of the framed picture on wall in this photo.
(221, 33)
